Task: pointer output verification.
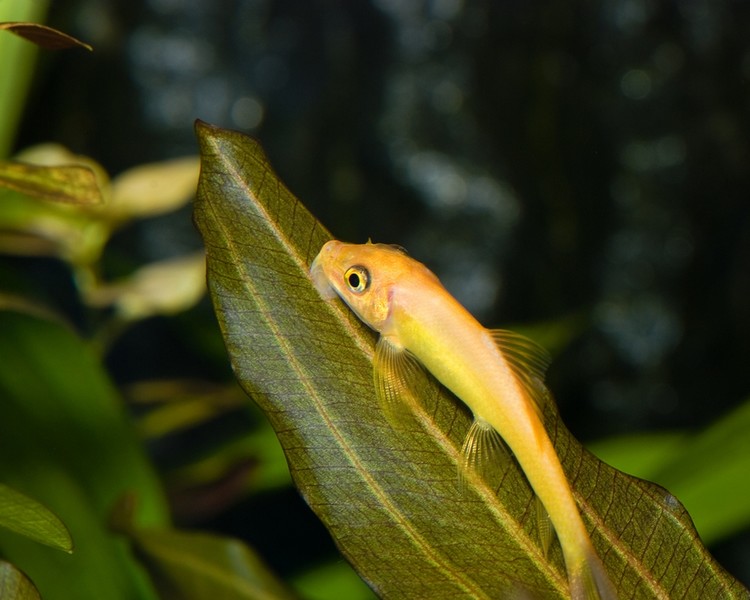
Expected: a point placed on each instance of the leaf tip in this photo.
(202, 128)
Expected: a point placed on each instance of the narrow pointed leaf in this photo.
(46, 37)
(390, 496)
(28, 517)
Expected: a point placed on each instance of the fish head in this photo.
(367, 277)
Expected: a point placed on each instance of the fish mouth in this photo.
(318, 274)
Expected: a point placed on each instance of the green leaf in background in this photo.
(73, 184)
(166, 287)
(246, 460)
(330, 581)
(28, 517)
(46, 37)
(153, 189)
(14, 585)
(708, 471)
(18, 57)
(201, 566)
(390, 497)
(66, 441)
(712, 473)
(57, 203)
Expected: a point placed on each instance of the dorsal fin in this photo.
(528, 361)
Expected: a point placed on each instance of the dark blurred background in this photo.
(560, 162)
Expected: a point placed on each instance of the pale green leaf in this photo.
(74, 184)
(390, 497)
(28, 517)
(32, 227)
(50, 204)
(153, 189)
(165, 287)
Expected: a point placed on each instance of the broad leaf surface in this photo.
(390, 496)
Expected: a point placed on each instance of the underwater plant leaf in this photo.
(153, 189)
(43, 36)
(166, 287)
(28, 517)
(196, 566)
(70, 184)
(390, 496)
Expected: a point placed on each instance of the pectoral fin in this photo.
(544, 527)
(483, 451)
(528, 361)
(398, 375)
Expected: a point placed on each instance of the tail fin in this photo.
(591, 581)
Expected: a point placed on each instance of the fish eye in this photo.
(357, 278)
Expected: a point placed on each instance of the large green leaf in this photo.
(390, 496)
(66, 441)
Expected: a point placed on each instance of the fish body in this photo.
(497, 374)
